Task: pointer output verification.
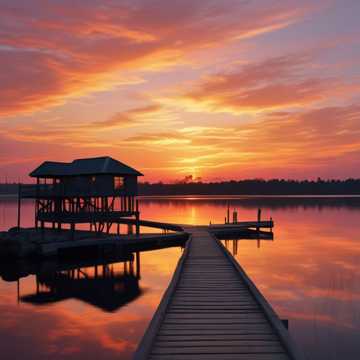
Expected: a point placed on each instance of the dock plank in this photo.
(211, 312)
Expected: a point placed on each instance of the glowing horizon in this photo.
(217, 90)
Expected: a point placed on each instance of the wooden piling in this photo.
(19, 207)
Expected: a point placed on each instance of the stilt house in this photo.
(98, 191)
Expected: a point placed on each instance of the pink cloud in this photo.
(63, 49)
(275, 83)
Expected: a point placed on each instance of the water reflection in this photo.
(105, 286)
(88, 309)
(254, 202)
(313, 279)
(310, 274)
(233, 244)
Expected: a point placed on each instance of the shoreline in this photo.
(230, 196)
(242, 196)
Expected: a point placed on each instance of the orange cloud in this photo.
(305, 142)
(313, 143)
(68, 49)
(136, 116)
(275, 83)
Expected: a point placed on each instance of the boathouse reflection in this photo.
(107, 286)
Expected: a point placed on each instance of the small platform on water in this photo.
(212, 310)
(28, 242)
(17, 243)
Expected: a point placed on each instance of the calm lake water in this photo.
(310, 273)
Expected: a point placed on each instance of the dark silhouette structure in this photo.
(107, 286)
(98, 191)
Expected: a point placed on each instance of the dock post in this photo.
(138, 265)
(235, 216)
(285, 322)
(42, 224)
(228, 214)
(259, 215)
(234, 248)
(258, 219)
(137, 223)
(19, 207)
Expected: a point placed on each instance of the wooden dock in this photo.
(112, 242)
(28, 242)
(212, 310)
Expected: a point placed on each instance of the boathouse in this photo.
(99, 191)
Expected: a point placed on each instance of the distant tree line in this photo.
(255, 187)
(241, 187)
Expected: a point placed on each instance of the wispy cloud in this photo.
(132, 117)
(272, 84)
(66, 49)
(304, 142)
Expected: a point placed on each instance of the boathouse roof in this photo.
(104, 165)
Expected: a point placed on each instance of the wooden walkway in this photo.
(212, 310)
(111, 241)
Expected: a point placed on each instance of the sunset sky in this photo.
(224, 89)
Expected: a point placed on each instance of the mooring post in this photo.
(258, 219)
